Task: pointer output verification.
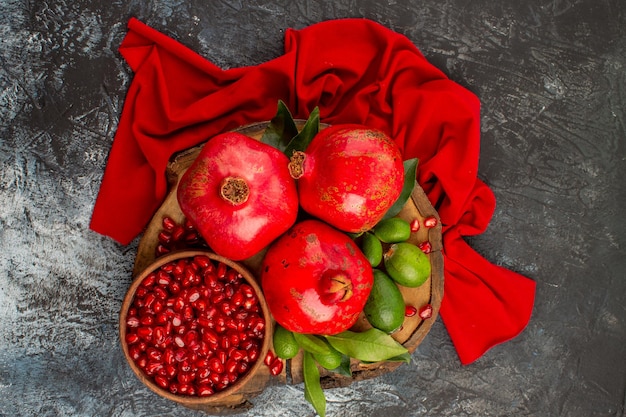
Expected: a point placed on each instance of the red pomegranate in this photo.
(315, 279)
(349, 176)
(239, 195)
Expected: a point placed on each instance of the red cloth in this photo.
(356, 71)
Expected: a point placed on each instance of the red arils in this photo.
(426, 312)
(276, 367)
(430, 221)
(426, 247)
(175, 236)
(415, 225)
(410, 311)
(181, 338)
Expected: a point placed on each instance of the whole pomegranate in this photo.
(315, 279)
(239, 195)
(348, 176)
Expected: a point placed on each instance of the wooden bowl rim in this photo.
(240, 383)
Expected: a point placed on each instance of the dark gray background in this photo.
(551, 76)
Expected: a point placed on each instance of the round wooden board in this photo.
(410, 335)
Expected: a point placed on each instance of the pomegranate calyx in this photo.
(296, 164)
(234, 190)
(335, 286)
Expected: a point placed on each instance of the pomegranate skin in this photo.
(349, 177)
(315, 279)
(239, 195)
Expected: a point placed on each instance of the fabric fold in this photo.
(355, 71)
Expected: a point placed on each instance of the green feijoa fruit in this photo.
(285, 344)
(372, 249)
(407, 264)
(392, 230)
(384, 308)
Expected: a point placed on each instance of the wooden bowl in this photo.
(219, 398)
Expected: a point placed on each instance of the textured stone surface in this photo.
(552, 79)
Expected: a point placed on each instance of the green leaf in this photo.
(344, 369)
(306, 135)
(313, 392)
(281, 130)
(372, 345)
(405, 357)
(410, 170)
(312, 344)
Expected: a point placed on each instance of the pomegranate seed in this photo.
(193, 295)
(410, 311)
(174, 288)
(181, 355)
(154, 354)
(160, 293)
(134, 352)
(200, 305)
(159, 334)
(203, 373)
(165, 238)
(144, 333)
(162, 381)
(188, 225)
(186, 389)
(139, 294)
(253, 354)
(426, 312)
(276, 367)
(161, 250)
(191, 237)
(426, 247)
(174, 388)
(205, 390)
(132, 322)
(237, 299)
(222, 356)
(147, 320)
(247, 290)
(170, 370)
(269, 358)
(232, 377)
(242, 367)
(184, 366)
(168, 224)
(250, 302)
(163, 278)
(168, 356)
(221, 270)
(179, 341)
(430, 221)
(415, 225)
(152, 367)
(202, 261)
(185, 377)
(215, 378)
(178, 233)
(149, 280)
(216, 366)
(188, 313)
(210, 279)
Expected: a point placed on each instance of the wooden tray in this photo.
(412, 333)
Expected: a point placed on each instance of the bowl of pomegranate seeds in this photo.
(194, 327)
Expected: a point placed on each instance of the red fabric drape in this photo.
(355, 71)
